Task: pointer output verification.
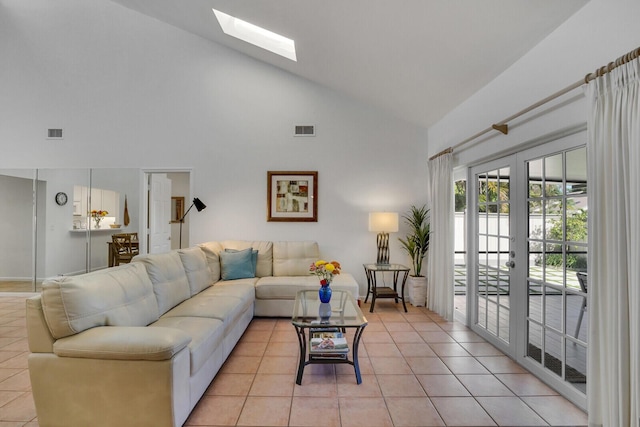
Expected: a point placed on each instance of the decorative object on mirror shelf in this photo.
(125, 215)
(114, 225)
(324, 312)
(292, 196)
(97, 216)
(384, 223)
(199, 206)
(416, 245)
(325, 271)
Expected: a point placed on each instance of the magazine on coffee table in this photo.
(328, 342)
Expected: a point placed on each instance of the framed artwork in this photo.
(292, 196)
(177, 208)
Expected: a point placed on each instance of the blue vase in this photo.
(325, 293)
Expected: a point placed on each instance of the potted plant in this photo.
(416, 244)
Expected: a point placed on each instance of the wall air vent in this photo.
(305, 130)
(54, 133)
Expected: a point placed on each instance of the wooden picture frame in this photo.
(177, 209)
(292, 196)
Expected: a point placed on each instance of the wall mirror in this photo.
(47, 227)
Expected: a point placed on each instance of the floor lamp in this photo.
(384, 223)
(199, 206)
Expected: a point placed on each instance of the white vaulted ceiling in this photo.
(415, 59)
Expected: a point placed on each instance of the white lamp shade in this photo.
(383, 222)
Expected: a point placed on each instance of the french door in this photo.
(528, 232)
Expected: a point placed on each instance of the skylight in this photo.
(257, 36)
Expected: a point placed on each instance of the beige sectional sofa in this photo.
(138, 344)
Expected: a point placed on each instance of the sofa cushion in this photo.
(243, 289)
(168, 277)
(195, 266)
(285, 287)
(119, 296)
(123, 343)
(228, 309)
(264, 266)
(206, 336)
(211, 251)
(294, 258)
(236, 265)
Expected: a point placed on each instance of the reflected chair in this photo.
(123, 248)
(582, 279)
(134, 242)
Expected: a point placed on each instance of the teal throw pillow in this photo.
(254, 257)
(237, 265)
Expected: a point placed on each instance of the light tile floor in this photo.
(417, 370)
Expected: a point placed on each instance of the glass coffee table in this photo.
(326, 325)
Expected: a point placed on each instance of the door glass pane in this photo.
(553, 307)
(553, 176)
(482, 312)
(575, 315)
(492, 186)
(553, 264)
(535, 301)
(557, 244)
(577, 171)
(492, 317)
(536, 219)
(553, 351)
(534, 347)
(493, 278)
(535, 178)
(460, 262)
(576, 368)
(504, 194)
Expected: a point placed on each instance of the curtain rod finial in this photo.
(501, 128)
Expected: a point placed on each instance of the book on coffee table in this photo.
(328, 342)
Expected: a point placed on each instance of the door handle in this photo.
(510, 264)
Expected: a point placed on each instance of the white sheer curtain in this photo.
(614, 255)
(440, 271)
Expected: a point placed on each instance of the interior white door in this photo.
(494, 260)
(159, 213)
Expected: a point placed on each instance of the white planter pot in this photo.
(417, 290)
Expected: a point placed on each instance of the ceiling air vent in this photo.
(305, 130)
(54, 133)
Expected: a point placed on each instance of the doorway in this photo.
(528, 234)
(163, 187)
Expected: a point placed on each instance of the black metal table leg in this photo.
(302, 340)
(356, 345)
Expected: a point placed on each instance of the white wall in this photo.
(597, 34)
(130, 91)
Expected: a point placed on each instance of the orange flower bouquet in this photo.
(98, 215)
(325, 271)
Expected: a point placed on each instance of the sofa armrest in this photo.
(123, 343)
(38, 334)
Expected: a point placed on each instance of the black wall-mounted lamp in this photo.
(199, 206)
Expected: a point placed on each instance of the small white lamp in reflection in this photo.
(383, 223)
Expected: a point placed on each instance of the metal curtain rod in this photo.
(503, 126)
